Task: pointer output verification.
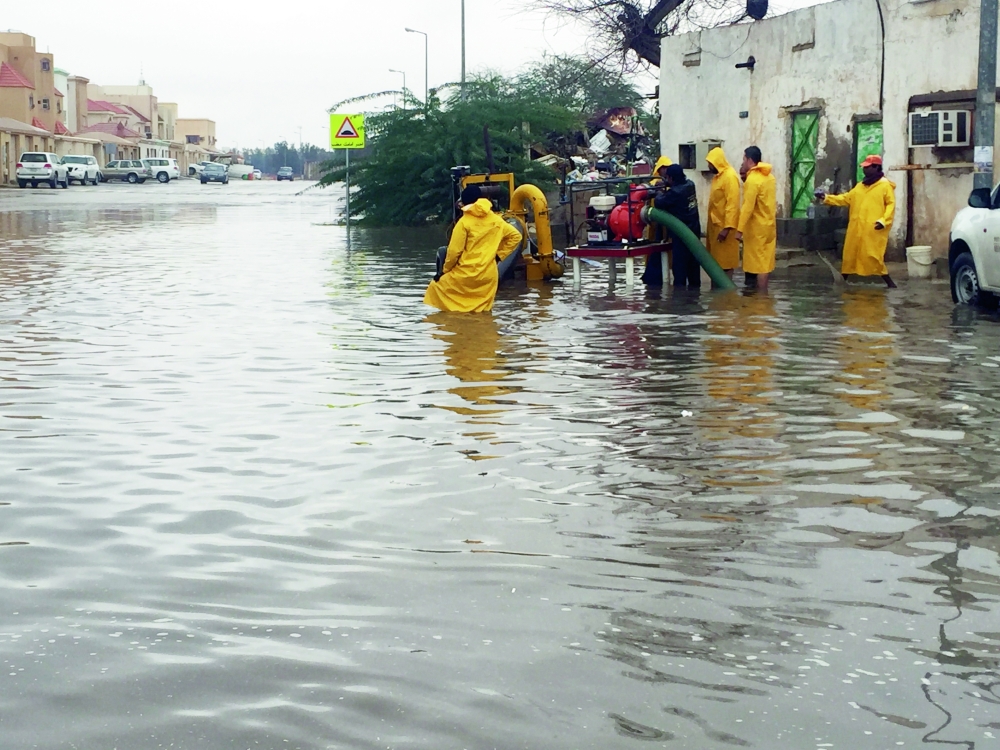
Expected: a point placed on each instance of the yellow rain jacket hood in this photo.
(723, 211)
(758, 220)
(864, 246)
(469, 281)
(663, 161)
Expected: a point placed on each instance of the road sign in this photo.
(347, 131)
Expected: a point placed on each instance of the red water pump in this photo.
(625, 221)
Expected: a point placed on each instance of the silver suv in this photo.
(127, 170)
(41, 166)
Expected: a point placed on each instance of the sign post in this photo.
(347, 132)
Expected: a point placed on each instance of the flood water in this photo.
(253, 494)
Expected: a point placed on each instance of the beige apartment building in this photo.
(45, 109)
(27, 83)
(197, 131)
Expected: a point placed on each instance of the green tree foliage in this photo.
(579, 85)
(404, 178)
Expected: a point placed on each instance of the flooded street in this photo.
(254, 494)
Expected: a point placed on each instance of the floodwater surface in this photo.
(253, 494)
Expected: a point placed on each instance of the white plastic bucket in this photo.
(919, 261)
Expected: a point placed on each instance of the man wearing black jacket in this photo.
(680, 200)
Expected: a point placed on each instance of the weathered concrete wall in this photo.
(823, 58)
(828, 58)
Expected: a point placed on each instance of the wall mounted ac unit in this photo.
(941, 128)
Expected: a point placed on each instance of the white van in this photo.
(163, 170)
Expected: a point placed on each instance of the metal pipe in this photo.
(986, 95)
(543, 230)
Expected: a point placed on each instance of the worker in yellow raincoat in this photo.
(757, 227)
(723, 212)
(469, 279)
(872, 206)
(660, 170)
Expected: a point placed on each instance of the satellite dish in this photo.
(756, 9)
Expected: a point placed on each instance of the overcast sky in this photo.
(262, 70)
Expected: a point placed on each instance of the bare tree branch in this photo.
(628, 32)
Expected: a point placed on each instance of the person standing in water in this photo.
(872, 207)
(723, 212)
(469, 278)
(757, 227)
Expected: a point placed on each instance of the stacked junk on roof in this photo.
(614, 143)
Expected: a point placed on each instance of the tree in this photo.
(404, 178)
(580, 85)
(627, 33)
(281, 154)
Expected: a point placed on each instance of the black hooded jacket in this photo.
(682, 201)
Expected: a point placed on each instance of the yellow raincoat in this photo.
(723, 211)
(864, 247)
(663, 161)
(757, 220)
(469, 281)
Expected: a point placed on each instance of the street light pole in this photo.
(986, 95)
(402, 73)
(426, 58)
(463, 51)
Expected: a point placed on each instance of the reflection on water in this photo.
(255, 494)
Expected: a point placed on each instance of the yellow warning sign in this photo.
(347, 131)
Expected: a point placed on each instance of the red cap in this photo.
(873, 159)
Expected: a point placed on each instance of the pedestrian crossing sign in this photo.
(347, 131)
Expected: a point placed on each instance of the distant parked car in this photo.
(286, 173)
(163, 170)
(196, 169)
(41, 166)
(126, 170)
(215, 173)
(258, 175)
(82, 168)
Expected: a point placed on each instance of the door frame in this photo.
(818, 112)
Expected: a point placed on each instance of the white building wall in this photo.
(828, 58)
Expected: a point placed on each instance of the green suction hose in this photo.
(692, 243)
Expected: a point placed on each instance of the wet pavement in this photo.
(252, 494)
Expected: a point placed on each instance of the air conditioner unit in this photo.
(941, 128)
(701, 151)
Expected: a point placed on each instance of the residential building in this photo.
(196, 131)
(829, 85)
(27, 86)
(138, 99)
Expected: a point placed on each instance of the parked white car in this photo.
(41, 166)
(196, 169)
(84, 169)
(164, 170)
(973, 257)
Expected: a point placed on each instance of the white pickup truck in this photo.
(974, 250)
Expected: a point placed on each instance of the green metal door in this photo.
(868, 137)
(805, 139)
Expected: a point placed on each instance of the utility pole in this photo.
(986, 95)
(427, 107)
(464, 95)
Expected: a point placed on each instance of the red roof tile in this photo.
(11, 79)
(114, 128)
(62, 129)
(35, 122)
(103, 106)
(58, 92)
(137, 113)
